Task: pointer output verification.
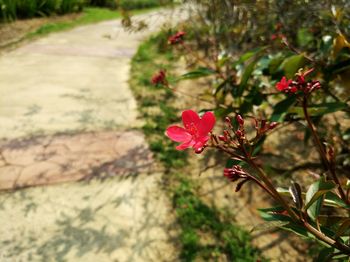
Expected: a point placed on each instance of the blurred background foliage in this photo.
(243, 48)
(18, 9)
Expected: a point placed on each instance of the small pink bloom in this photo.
(159, 78)
(196, 130)
(274, 37)
(177, 38)
(285, 85)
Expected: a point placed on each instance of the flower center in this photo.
(193, 130)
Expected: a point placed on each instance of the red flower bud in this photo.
(240, 120)
(159, 78)
(199, 150)
(223, 138)
(228, 121)
(177, 38)
(239, 134)
(272, 125)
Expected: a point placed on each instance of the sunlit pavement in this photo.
(66, 113)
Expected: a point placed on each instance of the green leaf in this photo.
(332, 199)
(304, 37)
(285, 222)
(292, 64)
(320, 109)
(245, 77)
(275, 64)
(198, 73)
(273, 214)
(281, 109)
(342, 228)
(263, 227)
(222, 85)
(314, 196)
(248, 55)
(325, 255)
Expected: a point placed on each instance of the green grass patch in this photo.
(11, 10)
(207, 234)
(89, 16)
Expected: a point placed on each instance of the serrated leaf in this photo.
(314, 196)
(292, 64)
(198, 73)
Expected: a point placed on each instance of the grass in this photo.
(89, 16)
(207, 234)
(10, 10)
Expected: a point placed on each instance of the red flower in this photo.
(159, 78)
(285, 86)
(196, 131)
(177, 38)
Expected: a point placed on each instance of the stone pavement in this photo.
(59, 97)
(72, 81)
(63, 158)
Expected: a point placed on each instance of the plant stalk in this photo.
(322, 151)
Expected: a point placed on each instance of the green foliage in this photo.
(18, 9)
(13, 9)
(90, 15)
(198, 219)
(243, 50)
(195, 218)
(314, 196)
(138, 4)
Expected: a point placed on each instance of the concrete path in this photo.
(59, 97)
(71, 81)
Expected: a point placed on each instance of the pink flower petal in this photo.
(206, 124)
(189, 118)
(200, 142)
(185, 145)
(178, 134)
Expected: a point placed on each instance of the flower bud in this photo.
(240, 120)
(222, 138)
(199, 150)
(228, 121)
(239, 134)
(316, 84)
(272, 125)
(226, 134)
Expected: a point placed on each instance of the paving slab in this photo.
(124, 219)
(63, 158)
(75, 80)
(68, 119)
